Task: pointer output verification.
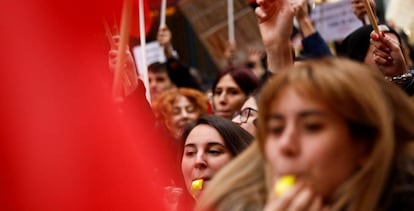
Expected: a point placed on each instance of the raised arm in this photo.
(129, 72)
(313, 44)
(387, 54)
(164, 37)
(388, 57)
(302, 15)
(275, 24)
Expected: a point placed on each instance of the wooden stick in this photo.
(123, 43)
(371, 16)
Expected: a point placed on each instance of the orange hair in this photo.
(162, 106)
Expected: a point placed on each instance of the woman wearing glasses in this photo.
(246, 117)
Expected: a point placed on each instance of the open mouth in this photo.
(202, 178)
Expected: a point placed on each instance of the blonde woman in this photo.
(340, 129)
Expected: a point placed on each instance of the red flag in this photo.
(115, 19)
(64, 144)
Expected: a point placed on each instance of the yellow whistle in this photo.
(197, 184)
(283, 184)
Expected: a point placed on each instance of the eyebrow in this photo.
(302, 114)
(231, 87)
(209, 144)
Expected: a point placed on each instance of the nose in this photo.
(184, 113)
(289, 142)
(236, 119)
(222, 98)
(200, 161)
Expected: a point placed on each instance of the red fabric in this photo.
(114, 19)
(64, 144)
(210, 109)
(156, 5)
(135, 32)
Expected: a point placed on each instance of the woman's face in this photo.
(227, 97)
(205, 152)
(308, 140)
(247, 115)
(182, 113)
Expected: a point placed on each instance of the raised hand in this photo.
(301, 8)
(164, 36)
(230, 53)
(387, 54)
(129, 61)
(299, 197)
(276, 24)
(302, 15)
(129, 71)
(275, 20)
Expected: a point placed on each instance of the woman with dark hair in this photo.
(174, 109)
(209, 144)
(231, 88)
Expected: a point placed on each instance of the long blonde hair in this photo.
(377, 112)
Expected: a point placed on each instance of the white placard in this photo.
(335, 21)
(154, 53)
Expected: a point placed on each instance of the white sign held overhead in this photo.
(336, 20)
(154, 53)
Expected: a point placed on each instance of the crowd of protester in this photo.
(340, 122)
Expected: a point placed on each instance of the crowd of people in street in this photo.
(340, 123)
